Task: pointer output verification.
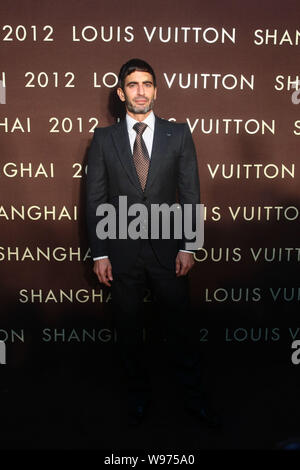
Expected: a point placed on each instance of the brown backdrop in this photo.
(225, 68)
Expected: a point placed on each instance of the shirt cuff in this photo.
(187, 251)
(100, 257)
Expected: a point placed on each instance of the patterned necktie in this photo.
(140, 154)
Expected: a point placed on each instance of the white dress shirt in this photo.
(148, 139)
(147, 134)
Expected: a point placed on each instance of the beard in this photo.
(139, 109)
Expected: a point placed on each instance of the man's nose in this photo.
(141, 89)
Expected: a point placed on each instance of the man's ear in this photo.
(155, 93)
(120, 93)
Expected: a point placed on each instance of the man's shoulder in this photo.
(171, 124)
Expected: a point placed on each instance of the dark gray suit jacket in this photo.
(173, 177)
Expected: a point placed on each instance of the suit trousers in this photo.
(170, 295)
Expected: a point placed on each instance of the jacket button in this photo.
(145, 198)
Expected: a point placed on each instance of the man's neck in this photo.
(139, 117)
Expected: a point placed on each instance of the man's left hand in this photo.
(184, 262)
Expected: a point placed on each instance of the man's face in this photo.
(139, 94)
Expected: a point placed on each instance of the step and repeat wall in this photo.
(227, 68)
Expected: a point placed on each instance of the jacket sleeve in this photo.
(188, 189)
(96, 192)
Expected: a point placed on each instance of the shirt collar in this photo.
(150, 120)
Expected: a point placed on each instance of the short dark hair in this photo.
(133, 65)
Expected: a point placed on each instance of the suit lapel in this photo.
(121, 141)
(161, 138)
(159, 148)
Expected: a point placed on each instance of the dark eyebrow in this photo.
(135, 83)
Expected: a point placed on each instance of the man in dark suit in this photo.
(150, 161)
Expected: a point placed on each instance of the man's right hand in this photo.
(103, 270)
